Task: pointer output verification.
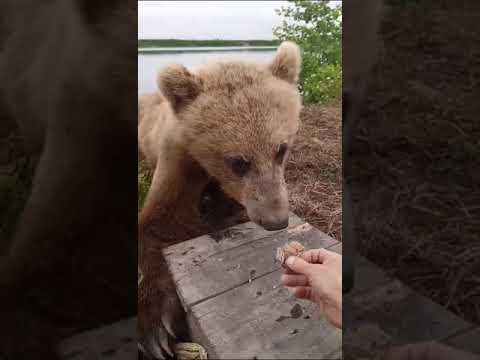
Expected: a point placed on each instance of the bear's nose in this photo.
(275, 225)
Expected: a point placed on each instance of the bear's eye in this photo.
(282, 150)
(239, 165)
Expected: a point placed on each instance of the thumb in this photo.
(299, 265)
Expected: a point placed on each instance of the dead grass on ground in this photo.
(314, 169)
(417, 158)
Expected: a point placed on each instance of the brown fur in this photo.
(188, 132)
(60, 61)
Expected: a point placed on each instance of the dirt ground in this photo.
(314, 169)
(416, 162)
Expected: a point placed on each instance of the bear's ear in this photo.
(178, 85)
(286, 65)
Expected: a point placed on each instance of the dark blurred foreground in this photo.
(414, 167)
(68, 191)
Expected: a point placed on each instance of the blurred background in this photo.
(194, 32)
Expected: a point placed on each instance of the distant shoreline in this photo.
(203, 49)
(163, 43)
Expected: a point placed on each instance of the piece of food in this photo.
(291, 249)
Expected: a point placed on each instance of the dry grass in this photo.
(314, 169)
(416, 156)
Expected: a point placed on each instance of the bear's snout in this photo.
(270, 218)
(275, 225)
(267, 205)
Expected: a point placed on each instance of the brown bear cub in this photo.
(230, 123)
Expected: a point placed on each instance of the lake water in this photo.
(150, 63)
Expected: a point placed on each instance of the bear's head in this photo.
(238, 121)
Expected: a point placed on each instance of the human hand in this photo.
(428, 351)
(317, 276)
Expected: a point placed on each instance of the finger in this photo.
(303, 292)
(295, 280)
(316, 256)
(288, 271)
(299, 265)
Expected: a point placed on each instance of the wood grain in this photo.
(116, 341)
(229, 284)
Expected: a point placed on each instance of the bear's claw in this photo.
(167, 324)
(156, 345)
(159, 342)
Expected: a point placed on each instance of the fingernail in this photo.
(290, 260)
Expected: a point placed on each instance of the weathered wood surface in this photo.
(236, 318)
(229, 284)
(116, 341)
(368, 276)
(468, 340)
(383, 311)
(402, 313)
(255, 320)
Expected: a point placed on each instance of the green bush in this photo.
(323, 84)
(317, 28)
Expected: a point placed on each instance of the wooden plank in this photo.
(229, 284)
(212, 267)
(254, 320)
(367, 276)
(366, 341)
(467, 340)
(336, 355)
(336, 248)
(402, 313)
(116, 341)
(381, 311)
(249, 231)
(223, 240)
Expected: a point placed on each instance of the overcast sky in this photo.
(200, 19)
